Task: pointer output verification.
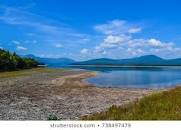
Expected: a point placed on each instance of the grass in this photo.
(159, 106)
(27, 72)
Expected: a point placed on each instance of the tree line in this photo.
(11, 61)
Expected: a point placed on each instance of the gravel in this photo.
(63, 94)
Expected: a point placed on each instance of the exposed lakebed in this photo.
(37, 94)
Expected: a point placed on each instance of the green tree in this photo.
(9, 62)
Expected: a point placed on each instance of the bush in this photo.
(52, 117)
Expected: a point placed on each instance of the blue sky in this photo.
(85, 29)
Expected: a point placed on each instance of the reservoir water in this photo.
(135, 77)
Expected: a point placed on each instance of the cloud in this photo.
(21, 48)
(134, 30)
(45, 30)
(18, 17)
(114, 38)
(118, 40)
(150, 43)
(112, 27)
(115, 27)
(84, 51)
(155, 42)
(136, 47)
(16, 42)
(112, 41)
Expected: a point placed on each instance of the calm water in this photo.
(135, 77)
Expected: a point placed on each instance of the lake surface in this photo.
(135, 77)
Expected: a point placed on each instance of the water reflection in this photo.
(139, 77)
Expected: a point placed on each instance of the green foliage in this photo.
(10, 62)
(160, 106)
(52, 117)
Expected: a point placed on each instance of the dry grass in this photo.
(27, 72)
(159, 106)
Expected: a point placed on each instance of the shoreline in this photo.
(38, 95)
(82, 77)
(79, 79)
(125, 66)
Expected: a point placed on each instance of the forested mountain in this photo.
(10, 62)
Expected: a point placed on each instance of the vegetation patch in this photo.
(28, 72)
(159, 106)
(52, 117)
(11, 62)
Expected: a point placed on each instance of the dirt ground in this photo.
(63, 94)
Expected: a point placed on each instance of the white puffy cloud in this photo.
(84, 51)
(112, 41)
(21, 48)
(119, 40)
(150, 43)
(154, 42)
(116, 39)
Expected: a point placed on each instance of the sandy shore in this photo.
(63, 94)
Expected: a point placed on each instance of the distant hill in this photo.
(52, 62)
(101, 61)
(148, 60)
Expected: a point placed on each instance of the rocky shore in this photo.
(60, 93)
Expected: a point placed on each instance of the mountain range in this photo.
(52, 62)
(147, 60)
